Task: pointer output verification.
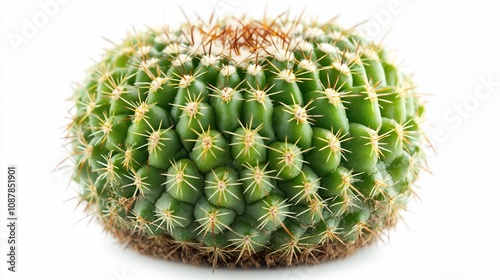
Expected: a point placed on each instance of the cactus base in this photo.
(165, 247)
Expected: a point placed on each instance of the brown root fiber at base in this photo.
(199, 255)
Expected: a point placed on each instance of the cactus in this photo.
(242, 142)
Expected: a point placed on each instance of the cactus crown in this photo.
(247, 142)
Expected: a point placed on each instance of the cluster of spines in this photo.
(257, 137)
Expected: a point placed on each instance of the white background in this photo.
(452, 48)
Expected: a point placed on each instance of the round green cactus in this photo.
(247, 142)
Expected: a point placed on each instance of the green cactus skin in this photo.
(247, 143)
